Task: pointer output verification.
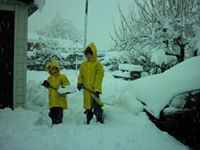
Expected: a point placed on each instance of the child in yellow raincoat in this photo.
(91, 77)
(57, 100)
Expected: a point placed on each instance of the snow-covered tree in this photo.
(169, 25)
(59, 28)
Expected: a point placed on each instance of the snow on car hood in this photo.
(156, 91)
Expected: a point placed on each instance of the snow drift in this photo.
(156, 91)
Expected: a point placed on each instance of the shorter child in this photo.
(57, 101)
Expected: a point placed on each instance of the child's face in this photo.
(88, 56)
(54, 71)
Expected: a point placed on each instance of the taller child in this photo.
(91, 77)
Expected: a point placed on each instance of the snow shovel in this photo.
(93, 96)
(47, 85)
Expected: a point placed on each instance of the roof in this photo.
(32, 7)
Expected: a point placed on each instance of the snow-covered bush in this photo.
(164, 25)
(39, 59)
(43, 49)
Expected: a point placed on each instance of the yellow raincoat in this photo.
(56, 81)
(91, 76)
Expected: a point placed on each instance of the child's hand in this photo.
(46, 84)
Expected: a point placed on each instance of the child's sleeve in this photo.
(65, 81)
(80, 77)
(99, 78)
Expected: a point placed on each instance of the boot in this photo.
(99, 114)
(89, 116)
(100, 118)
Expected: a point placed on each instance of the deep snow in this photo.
(125, 128)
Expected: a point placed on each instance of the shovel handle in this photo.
(93, 96)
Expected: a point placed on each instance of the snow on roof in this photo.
(40, 3)
(130, 67)
(156, 91)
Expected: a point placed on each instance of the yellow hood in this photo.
(94, 51)
(52, 63)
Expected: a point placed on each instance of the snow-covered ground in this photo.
(126, 126)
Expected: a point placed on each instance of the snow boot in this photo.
(100, 118)
(89, 116)
(98, 111)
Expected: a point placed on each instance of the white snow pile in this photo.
(156, 91)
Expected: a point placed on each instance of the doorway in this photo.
(6, 58)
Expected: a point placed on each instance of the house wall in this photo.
(20, 49)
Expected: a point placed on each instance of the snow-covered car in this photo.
(171, 100)
(181, 118)
(179, 113)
